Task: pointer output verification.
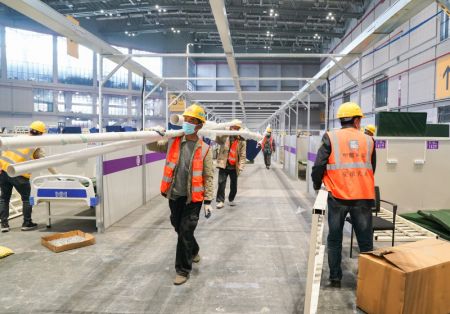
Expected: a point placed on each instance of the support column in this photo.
(359, 81)
(55, 59)
(3, 73)
(308, 121)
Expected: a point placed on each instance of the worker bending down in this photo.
(230, 161)
(188, 183)
(346, 163)
(20, 183)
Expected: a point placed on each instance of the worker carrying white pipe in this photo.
(267, 145)
(230, 161)
(188, 183)
(346, 163)
(20, 183)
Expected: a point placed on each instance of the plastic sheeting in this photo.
(437, 221)
(402, 124)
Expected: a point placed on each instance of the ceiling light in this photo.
(88, 17)
(159, 10)
(164, 10)
(178, 31)
(126, 32)
(172, 29)
(102, 11)
(276, 14)
(156, 6)
(330, 13)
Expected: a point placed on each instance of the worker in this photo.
(370, 130)
(187, 183)
(230, 161)
(268, 147)
(20, 183)
(346, 163)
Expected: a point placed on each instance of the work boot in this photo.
(268, 167)
(27, 226)
(232, 203)
(196, 259)
(334, 283)
(5, 227)
(219, 205)
(180, 279)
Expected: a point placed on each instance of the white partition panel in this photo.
(414, 172)
(123, 184)
(314, 144)
(286, 153)
(292, 151)
(154, 170)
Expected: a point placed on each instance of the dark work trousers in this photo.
(223, 174)
(267, 158)
(362, 224)
(22, 185)
(184, 218)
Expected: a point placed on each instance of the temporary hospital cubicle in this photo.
(290, 156)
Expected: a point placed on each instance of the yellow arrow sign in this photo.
(443, 77)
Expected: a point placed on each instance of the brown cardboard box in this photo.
(413, 278)
(45, 241)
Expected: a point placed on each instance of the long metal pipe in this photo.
(65, 158)
(177, 119)
(67, 139)
(236, 55)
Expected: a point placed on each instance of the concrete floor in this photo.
(254, 259)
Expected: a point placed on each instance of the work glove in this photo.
(159, 129)
(208, 210)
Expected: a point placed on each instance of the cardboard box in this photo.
(407, 279)
(46, 241)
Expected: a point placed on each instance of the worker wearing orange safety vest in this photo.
(188, 183)
(346, 163)
(268, 147)
(20, 183)
(230, 161)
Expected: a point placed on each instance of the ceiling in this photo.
(281, 25)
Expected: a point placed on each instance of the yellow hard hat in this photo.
(371, 128)
(269, 130)
(38, 126)
(236, 122)
(349, 110)
(195, 111)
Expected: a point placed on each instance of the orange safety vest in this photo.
(263, 144)
(349, 174)
(197, 188)
(233, 153)
(15, 156)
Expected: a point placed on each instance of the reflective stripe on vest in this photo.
(15, 156)
(233, 152)
(173, 154)
(349, 174)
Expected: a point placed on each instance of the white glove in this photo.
(208, 210)
(159, 129)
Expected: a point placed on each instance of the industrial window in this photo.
(120, 78)
(29, 55)
(444, 114)
(381, 93)
(346, 97)
(75, 70)
(75, 102)
(117, 105)
(154, 64)
(445, 26)
(43, 100)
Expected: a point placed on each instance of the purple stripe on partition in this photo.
(312, 157)
(152, 157)
(293, 150)
(120, 164)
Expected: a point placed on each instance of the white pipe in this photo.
(66, 139)
(65, 158)
(178, 119)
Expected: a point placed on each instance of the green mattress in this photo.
(437, 221)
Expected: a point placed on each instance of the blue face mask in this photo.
(188, 128)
